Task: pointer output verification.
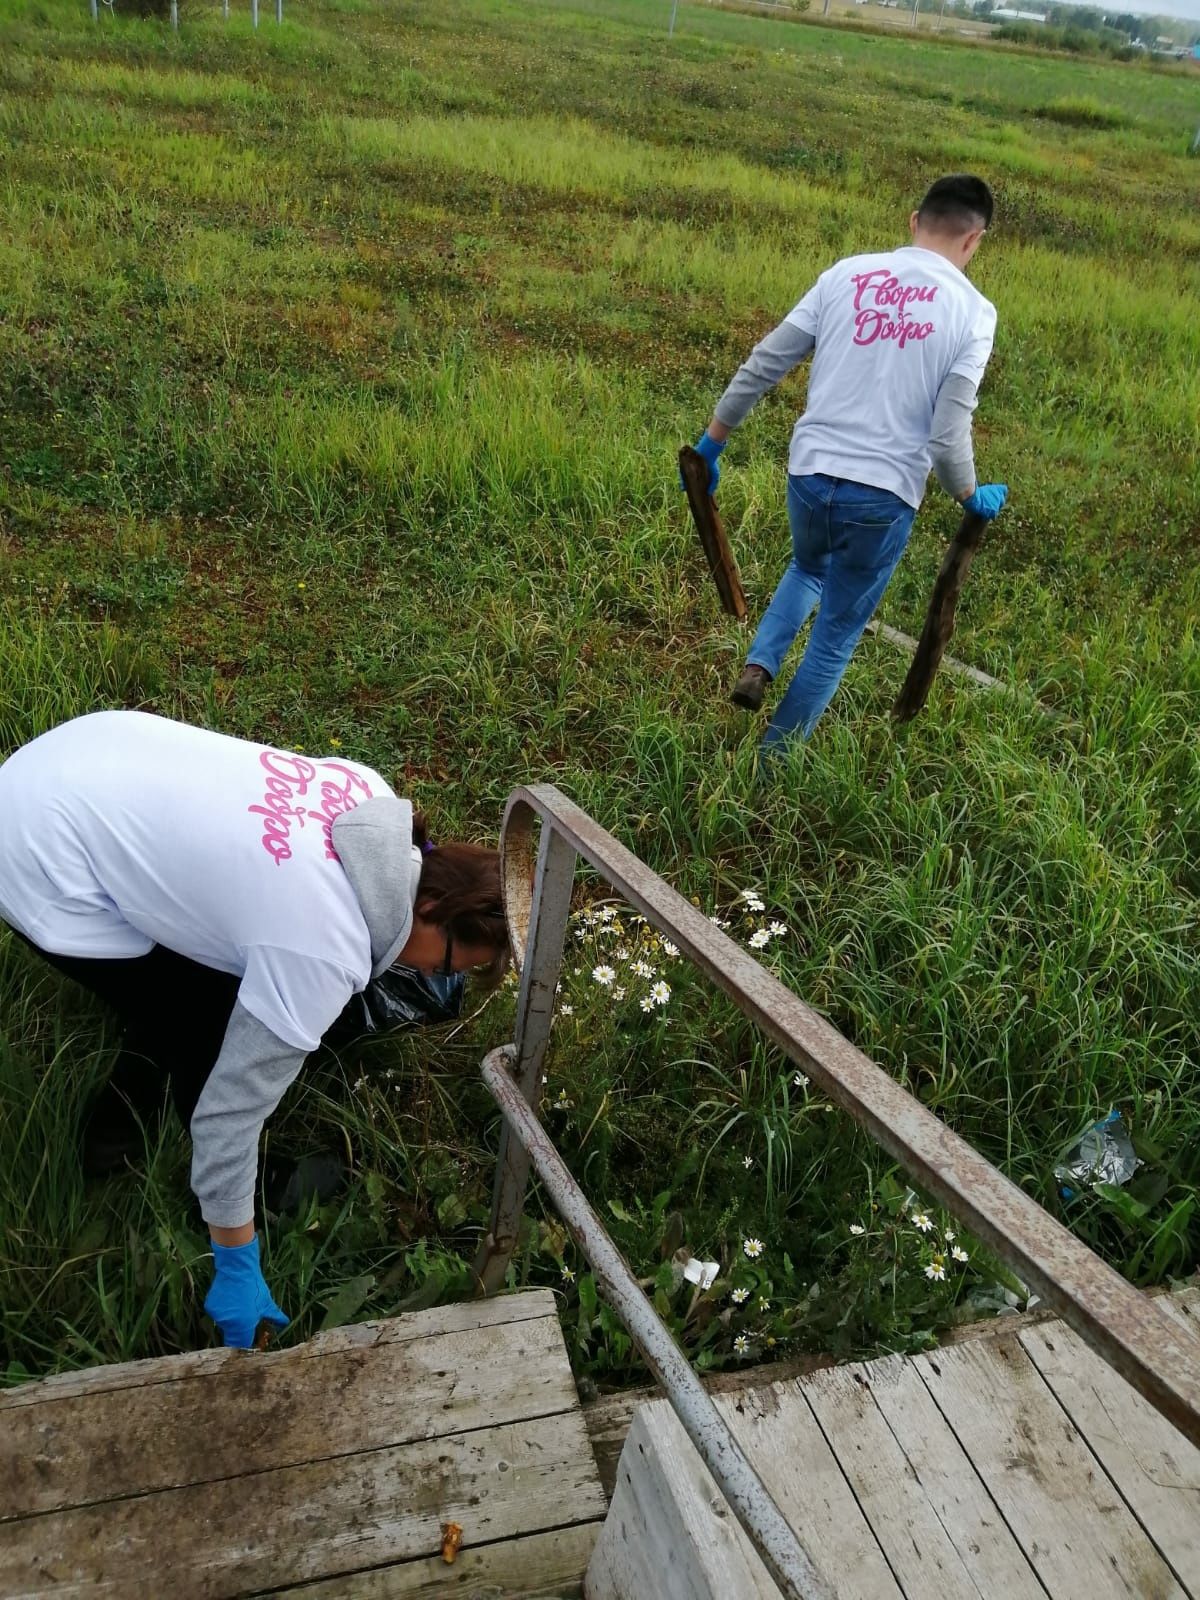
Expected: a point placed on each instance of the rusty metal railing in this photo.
(1128, 1329)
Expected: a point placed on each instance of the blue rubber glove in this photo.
(708, 447)
(988, 500)
(239, 1298)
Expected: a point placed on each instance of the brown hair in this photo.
(461, 882)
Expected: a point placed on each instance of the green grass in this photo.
(342, 368)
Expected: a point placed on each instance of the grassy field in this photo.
(342, 370)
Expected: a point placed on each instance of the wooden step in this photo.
(1015, 1468)
(326, 1470)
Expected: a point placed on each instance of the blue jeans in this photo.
(846, 540)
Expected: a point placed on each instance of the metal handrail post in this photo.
(544, 912)
(767, 1528)
(1126, 1328)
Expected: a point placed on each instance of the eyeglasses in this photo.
(447, 967)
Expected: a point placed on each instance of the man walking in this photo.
(899, 341)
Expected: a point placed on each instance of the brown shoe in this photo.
(748, 691)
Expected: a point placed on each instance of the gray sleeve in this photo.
(252, 1071)
(771, 359)
(950, 447)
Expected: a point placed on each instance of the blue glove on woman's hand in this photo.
(988, 500)
(239, 1298)
(708, 447)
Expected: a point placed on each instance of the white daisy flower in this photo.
(618, 993)
(646, 1003)
(936, 1269)
(566, 1011)
(718, 922)
(740, 1345)
(604, 975)
(759, 938)
(922, 1220)
(949, 1236)
(642, 969)
(777, 929)
(620, 953)
(799, 1080)
(568, 1275)
(755, 905)
(748, 894)
(857, 1229)
(670, 949)
(752, 1248)
(739, 1296)
(660, 993)
(959, 1253)
(747, 1162)
(764, 1304)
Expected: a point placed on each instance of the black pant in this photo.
(173, 1013)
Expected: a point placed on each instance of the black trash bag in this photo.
(399, 998)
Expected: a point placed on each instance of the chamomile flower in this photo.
(739, 1296)
(670, 949)
(799, 1081)
(642, 969)
(660, 993)
(923, 1221)
(759, 938)
(566, 1011)
(740, 1345)
(949, 1236)
(718, 922)
(763, 1303)
(857, 1229)
(646, 1003)
(752, 1248)
(604, 975)
(959, 1253)
(936, 1269)
(777, 929)
(568, 1275)
(618, 993)
(620, 953)
(747, 1162)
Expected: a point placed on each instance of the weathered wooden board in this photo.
(273, 1529)
(544, 1566)
(669, 1534)
(1075, 1529)
(359, 1336)
(950, 1484)
(873, 1451)
(1156, 1469)
(255, 1415)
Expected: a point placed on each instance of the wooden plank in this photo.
(609, 1419)
(217, 1540)
(1156, 1469)
(360, 1335)
(779, 1433)
(669, 1534)
(939, 620)
(954, 1492)
(711, 530)
(1075, 1530)
(254, 1415)
(544, 1566)
(923, 1557)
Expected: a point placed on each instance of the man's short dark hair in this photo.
(956, 205)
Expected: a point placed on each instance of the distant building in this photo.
(1003, 14)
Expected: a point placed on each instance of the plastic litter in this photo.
(702, 1272)
(1103, 1153)
(399, 998)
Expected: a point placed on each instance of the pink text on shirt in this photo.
(289, 780)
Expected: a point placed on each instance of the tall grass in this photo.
(343, 368)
